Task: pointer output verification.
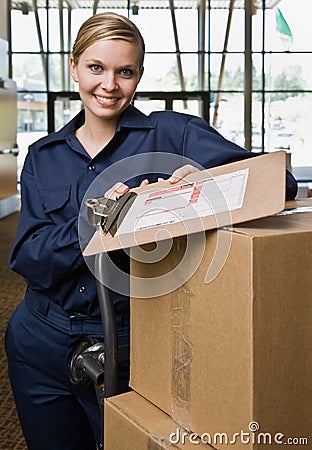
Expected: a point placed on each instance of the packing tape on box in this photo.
(182, 349)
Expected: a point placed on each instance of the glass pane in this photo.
(298, 17)
(65, 110)
(28, 39)
(288, 71)
(78, 16)
(147, 106)
(28, 72)
(257, 31)
(24, 140)
(160, 73)
(257, 81)
(227, 116)
(190, 71)
(32, 122)
(233, 77)
(289, 127)
(218, 26)
(257, 140)
(155, 26)
(58, 30)
(32, 109)
(187, 25)
(59, 75)
(188, 107)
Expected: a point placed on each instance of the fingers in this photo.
(182, 172)
(144, 182)
(120, 188)
(116, 191)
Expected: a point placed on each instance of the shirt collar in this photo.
(130, 118)
(133, 118)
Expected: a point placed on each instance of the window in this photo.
(182, 54)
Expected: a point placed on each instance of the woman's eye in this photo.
(126, 72)
(95, 68)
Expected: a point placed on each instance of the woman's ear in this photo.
(141, 73)
(73, 69)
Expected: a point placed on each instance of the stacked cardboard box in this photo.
(133, 423)
(230, 356)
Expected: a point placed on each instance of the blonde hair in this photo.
(106, 25)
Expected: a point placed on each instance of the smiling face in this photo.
(108, 72)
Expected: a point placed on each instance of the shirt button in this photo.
(82, 289)
(91, 167)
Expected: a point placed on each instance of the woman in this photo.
(61, 305)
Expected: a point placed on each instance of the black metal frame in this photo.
(109, 330)
(169, 97)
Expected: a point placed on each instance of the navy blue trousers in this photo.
(54, 414)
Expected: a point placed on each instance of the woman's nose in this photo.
(109, 82)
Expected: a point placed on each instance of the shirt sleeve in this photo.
(206, 146)
(45, 253)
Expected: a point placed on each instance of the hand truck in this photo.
(95, 361)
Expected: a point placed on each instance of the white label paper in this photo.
(187, 201)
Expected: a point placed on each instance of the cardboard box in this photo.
(133, 423)
(231, 352)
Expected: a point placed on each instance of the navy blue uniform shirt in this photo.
(55, 177)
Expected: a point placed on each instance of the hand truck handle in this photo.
(109, 329)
